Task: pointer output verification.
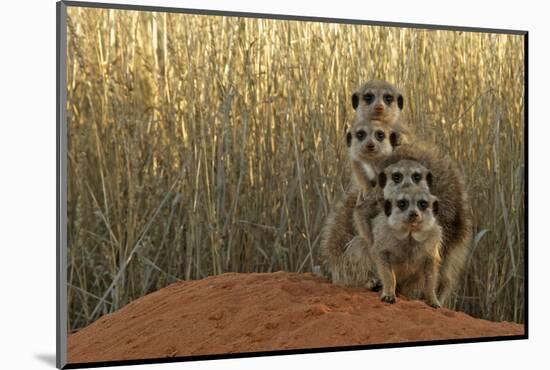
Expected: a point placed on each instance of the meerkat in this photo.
(407, 242)
(370, 142)
(343, 252)
(447, 183)
(378, 100)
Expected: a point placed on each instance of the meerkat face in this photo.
(403, 174)
(411, 210)
(378, 100)
(371, 140)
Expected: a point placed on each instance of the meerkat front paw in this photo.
(374, 284)
(434, 303)
(388, 298)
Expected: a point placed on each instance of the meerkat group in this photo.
(405, 223)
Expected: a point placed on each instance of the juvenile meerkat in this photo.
(407, 241)
(455, 215)
(343, 252)
(370, 142)
(378, 100)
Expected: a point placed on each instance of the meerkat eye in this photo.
(397, 177)
(369, 98)
(388, 99)
(422, 204)
(380, 135)
(416, 177)
(402, 204)
(360, 135)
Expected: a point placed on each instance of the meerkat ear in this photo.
(395, 139)
(435, 207)
(400, 101)
(355, 100)
(382, 179)
(348, 139)
(387, 207)
(429, 179)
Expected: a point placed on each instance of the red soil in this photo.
(262, 312)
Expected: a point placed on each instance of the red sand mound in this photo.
(260, 312)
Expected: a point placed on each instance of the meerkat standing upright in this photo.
(374, 134)
(407, 240)
(447, 183)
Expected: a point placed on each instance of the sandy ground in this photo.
(261, 312)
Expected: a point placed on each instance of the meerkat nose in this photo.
(413, 215)
(370, 146)
(379, 108)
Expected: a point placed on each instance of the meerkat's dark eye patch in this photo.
(416, 177)
(380, 135)
(397, 177)
(400, 101)
(402, 204)
(355, 100)
(395, 139)
(429, 179)
(388, 99)
(435, 207)
(348, 138)
(369, 98)
(382, 179)
(387, 207)
(361, 135)
(422, 204)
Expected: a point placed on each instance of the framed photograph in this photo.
(235, 185)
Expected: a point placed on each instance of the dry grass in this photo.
(200, 145)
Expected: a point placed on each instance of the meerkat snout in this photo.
(413, 216)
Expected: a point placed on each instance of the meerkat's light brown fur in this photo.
(344, 254)
(407, 241)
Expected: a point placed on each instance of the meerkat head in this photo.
(403, 174)
(411, 210)
(378, 100)
(371, 140)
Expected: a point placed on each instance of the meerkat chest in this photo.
(407, 252)
(369, 170)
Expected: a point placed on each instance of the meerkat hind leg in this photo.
(387, 276)
(449, 273)
(430, 284)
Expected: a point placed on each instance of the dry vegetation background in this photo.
(201, 144)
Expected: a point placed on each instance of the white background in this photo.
(27, 182)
